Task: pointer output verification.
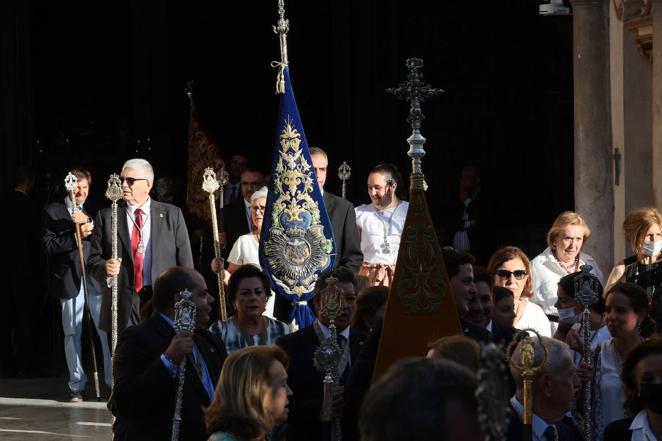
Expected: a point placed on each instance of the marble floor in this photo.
(38, 409)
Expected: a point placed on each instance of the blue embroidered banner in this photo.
(296, 241)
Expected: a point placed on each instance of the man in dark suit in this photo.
(65, 278)
(554, 390)
(343, 217)
(21, 295)
(237, 217)
(147, 363)
(152, 238)
(304, 379)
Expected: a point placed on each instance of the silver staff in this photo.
(210, 184)
(114, 193)
(328, 355)
(71, 184)
(344, 173)
(586, 294)
(184, 322)
(493, 393)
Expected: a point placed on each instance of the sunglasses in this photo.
(505, 274)
(131, 181)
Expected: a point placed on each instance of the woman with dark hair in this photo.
(248, 291)
(380, 225)
(643, 229)
(642, 381)
(251, 396)
(511, 269)
(629, 323)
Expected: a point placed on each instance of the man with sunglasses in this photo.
(152, 238)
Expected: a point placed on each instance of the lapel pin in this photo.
(160, 214)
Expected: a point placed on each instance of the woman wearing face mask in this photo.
(570, 317)
(629, 323)
(642, 381)
(643, 229)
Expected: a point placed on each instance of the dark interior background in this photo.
(96, 83)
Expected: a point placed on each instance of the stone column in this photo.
(656, 13)
(594, 196)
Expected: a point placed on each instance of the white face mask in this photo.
(567, 314)
(650, 248)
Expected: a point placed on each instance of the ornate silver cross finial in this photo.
(209, 182)
(415, 91)
(344, 173)
(114, 190)
(70, 182)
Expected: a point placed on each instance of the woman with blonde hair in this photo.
(251, 396)
(643, 229)
(565, 240)
(511, 269)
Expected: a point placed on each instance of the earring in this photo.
(639, 328)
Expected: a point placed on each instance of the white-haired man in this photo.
(152, 238)
(554, 391)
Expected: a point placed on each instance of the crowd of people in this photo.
(255, 376)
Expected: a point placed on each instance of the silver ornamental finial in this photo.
(281, 28)
(114, 190)
(344, 173)
(209, 182)
(586, 287)
(415, 91)
(493, 393)
(223, 177)
(185, 312)
(70, 182)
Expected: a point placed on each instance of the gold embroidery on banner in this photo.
(296, 248)
(421, 285)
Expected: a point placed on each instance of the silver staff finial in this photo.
(114, 190)
(415, 91)
(344, 173)
(70, 182)
(281, 28)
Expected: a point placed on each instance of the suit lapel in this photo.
(156, 217)
(123, 230)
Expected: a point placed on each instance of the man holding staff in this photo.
(152, 238)
(66, 280)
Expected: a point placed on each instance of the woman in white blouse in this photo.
(563, 256)
(247, 247)
(511, 269)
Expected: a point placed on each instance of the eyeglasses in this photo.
(131, 181)
(259, 208)
(505, 274)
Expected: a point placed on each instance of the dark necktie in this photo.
(551, 434)
(342, 343)
(233, 194)
(136, 238)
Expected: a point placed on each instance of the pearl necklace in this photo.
(571, 268)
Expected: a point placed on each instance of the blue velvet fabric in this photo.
(296, 241)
